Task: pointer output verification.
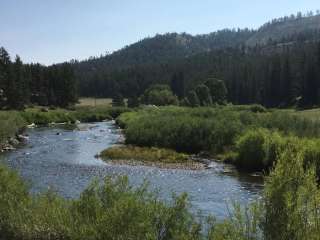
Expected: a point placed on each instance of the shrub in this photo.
(159, 95)
(10, 123)
(258, 148)
(183, 129)
(256, 108)
(291, 198)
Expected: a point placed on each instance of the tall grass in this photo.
(206, 129)
(10, 123)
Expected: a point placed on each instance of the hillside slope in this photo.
(280, 30)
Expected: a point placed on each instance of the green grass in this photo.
(219, 131)
(144, 154)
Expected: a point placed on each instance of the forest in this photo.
(23, 85)
(279, 72)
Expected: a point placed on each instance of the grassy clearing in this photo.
(94, 102)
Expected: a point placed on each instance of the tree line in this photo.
(26, 84)
(275, 75)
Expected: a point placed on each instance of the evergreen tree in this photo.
(218, 90)
(15, 89)
(193, 99)
(204, 95)
(177, 84)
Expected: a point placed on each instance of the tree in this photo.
(159, 95)
(177, 84)
(218, 90)
(193, 99)
(203, 94)
(15, 85)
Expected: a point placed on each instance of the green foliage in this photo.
(133, 102)
(292, 198)
(10, 124)
(243, 224)
(25, 84)
(253, 138)
(218, 90)
(182, 129)
(204, 95)
(257, 108)
(258, 148)
(159, 95)
(144, 154)
(193, 99)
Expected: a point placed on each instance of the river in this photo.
(63, 159)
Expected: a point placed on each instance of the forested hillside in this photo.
(277, 65)
(286, 29)
(25, 84)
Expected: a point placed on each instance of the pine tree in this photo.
(218, 90)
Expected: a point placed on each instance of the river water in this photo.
(64, 160)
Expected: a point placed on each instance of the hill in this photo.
(281, 58)
(282, 29)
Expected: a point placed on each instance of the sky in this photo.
(53, 31)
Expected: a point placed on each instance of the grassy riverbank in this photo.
(163, 158)
(248, 136)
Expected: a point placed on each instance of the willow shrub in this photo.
(183, 129)
(292, 197)
(10, 123)
(258, 148)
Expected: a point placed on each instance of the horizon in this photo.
(60, 31)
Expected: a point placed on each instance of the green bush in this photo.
(256, 108)
(10, 124)
(292, 198)
(159, 95)
(258, 148)
(183, 129)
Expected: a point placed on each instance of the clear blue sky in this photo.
(51, 31)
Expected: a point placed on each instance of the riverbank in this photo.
(13, 123)
(154, 157)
